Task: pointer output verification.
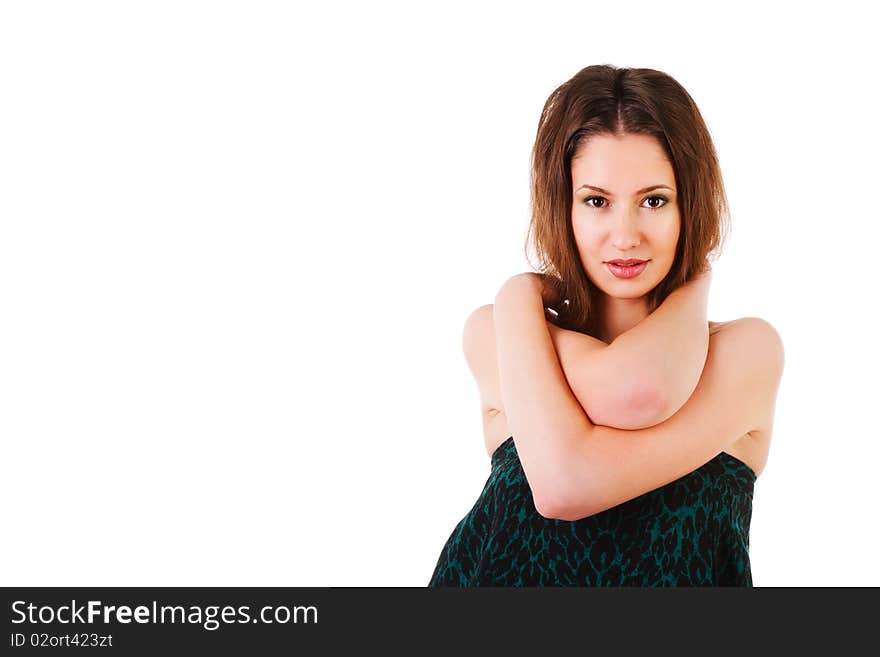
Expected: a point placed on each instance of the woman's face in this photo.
(624, 207)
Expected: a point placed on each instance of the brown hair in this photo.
(604, 99)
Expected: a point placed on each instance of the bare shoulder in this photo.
(757, 336)
(478, 343)
(479, 349)
(753, 353)
(478, 340)
(477, 324)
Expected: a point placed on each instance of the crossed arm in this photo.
(647, 373)
(577, 467)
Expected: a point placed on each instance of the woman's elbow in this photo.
(570, 511)
(639, 406)
(545, 507)
(550, 501)
(567, 499)
(652, 410)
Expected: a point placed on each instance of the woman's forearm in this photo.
(671, 345)
(542, 413)
(663, 357)
(537, 363)
(609, 400)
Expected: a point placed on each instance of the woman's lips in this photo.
(622, 271)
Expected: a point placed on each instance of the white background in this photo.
(239, 241)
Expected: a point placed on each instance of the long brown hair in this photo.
(604, 99)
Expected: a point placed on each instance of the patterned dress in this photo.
(691, 532)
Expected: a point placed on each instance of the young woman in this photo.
(625, 431)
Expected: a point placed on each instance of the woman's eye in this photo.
(657, 198)
(651, 206)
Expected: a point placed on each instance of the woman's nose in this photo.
(625, 231)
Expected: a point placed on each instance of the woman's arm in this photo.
(662, 356)
(536, 397)
(576, 468)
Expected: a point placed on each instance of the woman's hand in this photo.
(705, 276)
(547, 286)
(525, 283)
(698, 288)
(538, 284)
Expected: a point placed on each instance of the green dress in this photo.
(691, 532)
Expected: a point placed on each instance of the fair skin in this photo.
(662, 353)
(526, 368)
(625, 206)
(624, 222)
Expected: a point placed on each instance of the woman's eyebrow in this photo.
(641, 191)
